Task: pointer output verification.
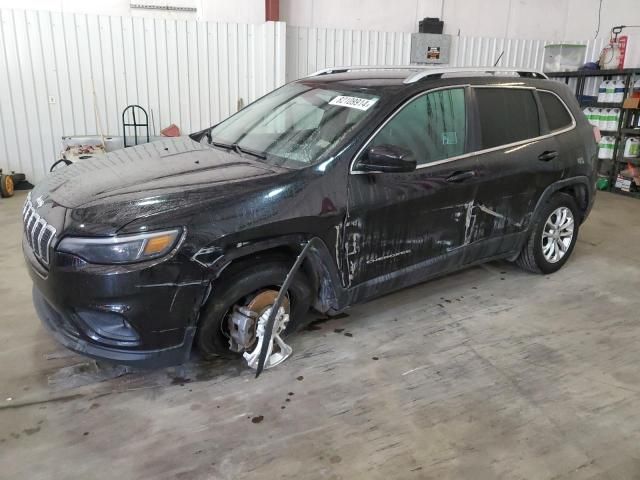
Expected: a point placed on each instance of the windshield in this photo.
(294, 125)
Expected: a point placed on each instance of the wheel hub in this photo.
(247, 325)
(557, 234)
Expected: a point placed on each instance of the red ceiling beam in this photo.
(272, 10)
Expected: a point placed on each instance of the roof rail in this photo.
(422, 71)
(326, 71)
(439, 72)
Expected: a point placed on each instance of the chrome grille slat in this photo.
(32, 221)
(37, 228)
(48, 234)
(27, 213)
(38, 232)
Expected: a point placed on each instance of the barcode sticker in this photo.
(449, 138)
(353, 102)
(623, 183)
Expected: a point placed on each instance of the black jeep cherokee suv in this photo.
(401, 175)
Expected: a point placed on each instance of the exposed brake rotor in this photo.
(265, 299)
(247, 325)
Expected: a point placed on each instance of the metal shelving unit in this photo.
(578, 80)
(630, 128)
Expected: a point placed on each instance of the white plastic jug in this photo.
(602, 91)
(599, 119)
(593, 115)
(603, 121)
(618, 96)
(611, 91)
(612, 119)
(632, 148)
(605, 150)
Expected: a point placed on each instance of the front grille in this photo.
(38, 232)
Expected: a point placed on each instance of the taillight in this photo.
(596, 134)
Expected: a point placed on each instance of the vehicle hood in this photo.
(107, 192)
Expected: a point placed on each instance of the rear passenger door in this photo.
(516, 161)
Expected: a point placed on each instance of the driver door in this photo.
(404, 227)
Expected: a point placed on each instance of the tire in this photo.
(532, 257)
(237, 284)
(6, 186)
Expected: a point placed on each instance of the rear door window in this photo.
(433, 126)
(507, 115)
(554, 111)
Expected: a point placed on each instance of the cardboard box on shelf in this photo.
(631, 102)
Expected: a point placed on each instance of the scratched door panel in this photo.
(511, 182)
(511, 175)
(399, 220)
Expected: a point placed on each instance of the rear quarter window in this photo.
(507, 115)
(554, 111)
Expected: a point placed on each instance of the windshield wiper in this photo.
(253, 153)
(227, 146)
(239, 150)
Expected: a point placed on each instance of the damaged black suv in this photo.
(398, 175)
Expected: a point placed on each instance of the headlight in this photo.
(122, 248)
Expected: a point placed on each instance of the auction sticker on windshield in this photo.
(353, 102)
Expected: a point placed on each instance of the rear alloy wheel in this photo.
(552, 236)
(233, 321)
(557, 234)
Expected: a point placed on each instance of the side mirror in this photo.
(387, 159)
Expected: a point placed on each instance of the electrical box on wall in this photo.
(430, 48)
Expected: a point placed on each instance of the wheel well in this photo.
(580, 194)
(285, 254)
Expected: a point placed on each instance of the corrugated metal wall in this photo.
(310, 49)
(481, 51)
(189, 73)
(185, 72)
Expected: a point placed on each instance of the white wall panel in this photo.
(555, 20)
(310, 49)
(189, 73)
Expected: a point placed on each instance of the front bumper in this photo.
(61, 328)
(140, 315)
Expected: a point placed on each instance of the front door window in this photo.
(433, 126)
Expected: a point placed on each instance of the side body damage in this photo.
(374, 233)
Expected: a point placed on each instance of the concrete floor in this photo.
(489, 373)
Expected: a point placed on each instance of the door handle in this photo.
(547, 155)
(461, 176)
